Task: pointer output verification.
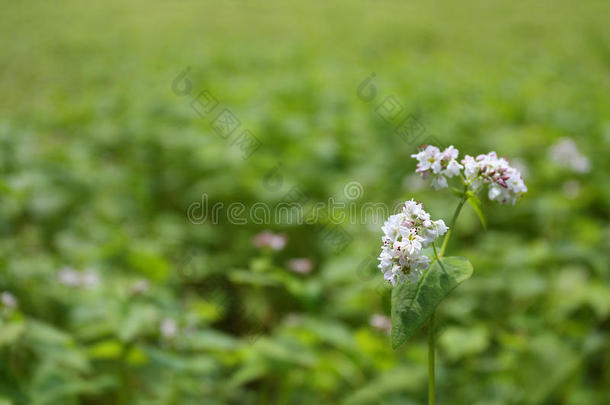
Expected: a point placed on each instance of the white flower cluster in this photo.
(406, 234)
(439, 165)
(73, 278)
(504, 181)
(565, 153)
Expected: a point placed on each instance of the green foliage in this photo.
(413, 303)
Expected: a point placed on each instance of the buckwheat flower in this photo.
(439, 165)
(434, 231)
(168, 328)
(391, 227)
(565, 153)
(90, 279)
(8, 300)
(69, 277)
(300, 265)
(472, 170)
(429, 160)
(270, 240)
(140, 286)
(381, 322)
(505, 182)
(410, 243)
(405, 235)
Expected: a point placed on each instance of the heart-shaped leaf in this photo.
(413, 303)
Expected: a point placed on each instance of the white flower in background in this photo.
(168, 328)
(73, 278)
(300, 265)
(381, 322)
(565, 153)
(140, 286)
(90, 279)
(405, 235)
(270, 240)
(8, 300)
(69, 277)
(439, 165)
(505, 182)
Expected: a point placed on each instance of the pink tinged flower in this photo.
(90, 279)
(72, 278)
(381, 322)
(9, 300)
(450, 153)
(439, 165)
(453, 168)
(69, 277)
(505, 182)
(300, 265)
(168, 328)
(140, 286)
(268, 239)
(439, 182)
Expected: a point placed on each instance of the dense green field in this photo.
(114, 294)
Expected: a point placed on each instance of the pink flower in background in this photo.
(140, 286)
(69, 277)
(90, 279)
(271, 240)
(168, 328)
(300, 265)
(381, 322)
(73, 278)
(9, 300)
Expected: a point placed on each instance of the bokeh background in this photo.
(112, 295)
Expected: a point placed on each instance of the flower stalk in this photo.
(431, 350)
(453, 221)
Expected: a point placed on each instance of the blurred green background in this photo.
(111, 295)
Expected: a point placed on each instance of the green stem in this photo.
(431, 343)
(452, 225)
(431, 337)
(436, 258)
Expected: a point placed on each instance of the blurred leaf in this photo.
(140, 318)
(459, 342)
(210, 340)
(413, 303)
(108, 349)
(10, 332)
(409, 378)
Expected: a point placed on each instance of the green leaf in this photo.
(10, 333)
(475, 203)
(413, 303)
